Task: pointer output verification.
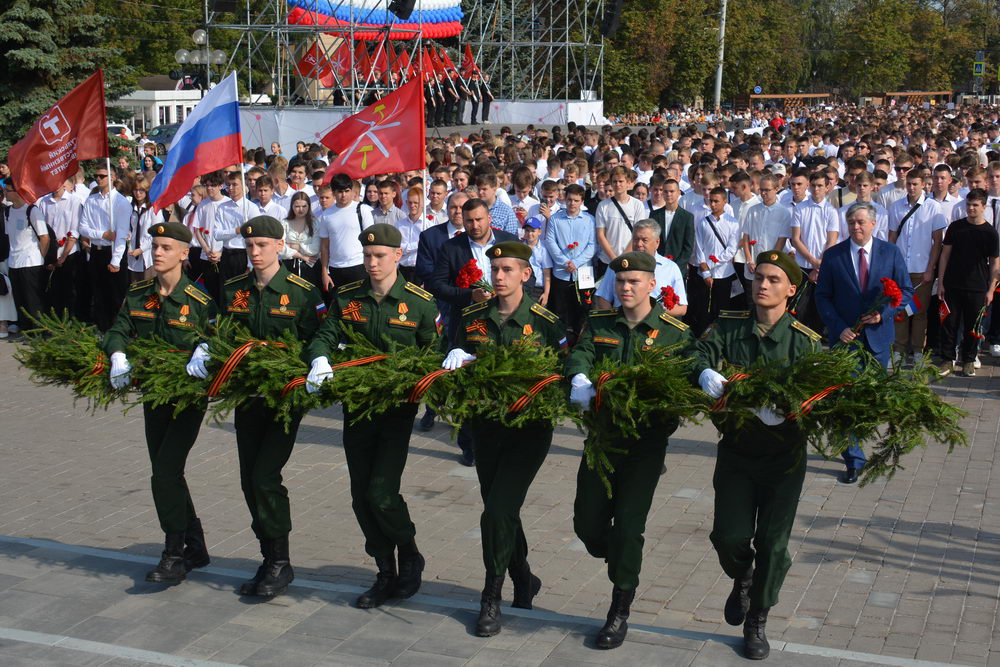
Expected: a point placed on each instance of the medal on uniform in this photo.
(403, 309)
(185, 309)
(652, 336)
(527, 330)
(284, 302)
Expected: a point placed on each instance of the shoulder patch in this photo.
(735, 314)
(142, 284)
(419, 291)
(604, 313)
(475, 308)
(349, 286)
(301, 282)
(237, 278)
(196, 294)
(806, 330)
(539, 309)
(670, 319)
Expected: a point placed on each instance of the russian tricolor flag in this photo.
(209, 139)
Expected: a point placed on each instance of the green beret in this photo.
(514, 249)
(171, 230)
(634, 261)
(784, 262)
(263, 225)
(381, 234)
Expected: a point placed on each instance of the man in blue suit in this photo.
(849, 283)
(455, 253)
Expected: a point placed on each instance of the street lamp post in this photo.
(203, 56)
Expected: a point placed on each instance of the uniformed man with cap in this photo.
(612, 528)
(269, 301)
(759, 468)
(389, 312)
(171, 307)
(507, 459)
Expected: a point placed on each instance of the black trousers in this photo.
(805, 309)
(108, 289)
(61, 295)
(704, 304)
(475, 110)
(28, 289)
(965, 306)
(233, 263)
(565, 301)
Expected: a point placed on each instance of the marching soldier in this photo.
(173, 308)
(507, 459)
(612, 528)
(381, 306)
(269, 301)
(759, 469)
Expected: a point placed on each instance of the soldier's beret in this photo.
(784, 262)
(381, 234)
(634, 261)
(171, 230)
(263, 225)
(514, 249)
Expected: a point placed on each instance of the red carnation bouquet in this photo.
(470, 276)
(891, 295)
(668, 297)
(976, 330)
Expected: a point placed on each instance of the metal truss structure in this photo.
(531, 50)
(538, 49)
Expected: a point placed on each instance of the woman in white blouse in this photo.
(136, 241)
(301, 254)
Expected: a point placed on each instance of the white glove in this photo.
(120, 369)
(456, 359)
(196, 367)
(768, 416)
(582, 391)
(320, 372)
(712, 382)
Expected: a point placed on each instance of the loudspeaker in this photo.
(402, 8)
(612, 17)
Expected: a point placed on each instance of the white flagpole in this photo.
(111, 208)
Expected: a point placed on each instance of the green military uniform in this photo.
(612, 528)
(760, 469)
(376, 449)
(176, 318)
(507, 459)
(286, 303)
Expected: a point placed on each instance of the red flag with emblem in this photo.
(438, 65)
(339, 65)
(447, 61)
(380, 63)
(468, 63)
(362, 64)
(383, 138)
(313, 63)
(74, 129)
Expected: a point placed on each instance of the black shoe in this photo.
(468, 457)
(739, 600)
(195, 549)
(170, 569)
(279, 572)
(427, 421)
(850, 476)
(381, 590)
(488, 623)
(755, 646)
(613, 633)
(526, 585)
(411, 565)
(249, 587)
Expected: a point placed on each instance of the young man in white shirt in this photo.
(815, 227)
(410, 227)
(265, 198)
(741, 185)
(387, 212)
(941, 180)
(29, 241)
(716, 242)
(765, 226)
(436, 211)
(615, 218)
(338, 229)
(107, 283)
(229, 216)
(864, 190)
(61, 210)
(204, 232)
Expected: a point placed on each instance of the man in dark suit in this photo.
(677, 234)
(849, 284)
(455, 253)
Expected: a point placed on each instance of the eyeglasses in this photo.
(903, 167)
(100, 175)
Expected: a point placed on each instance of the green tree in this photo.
(50, 47)
(875, 44)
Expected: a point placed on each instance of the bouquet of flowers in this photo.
(891, 295)
(470, 276)
(668, 297)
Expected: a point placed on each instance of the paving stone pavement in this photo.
(902, 572)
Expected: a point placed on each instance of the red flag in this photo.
(447, 61)
(74, 129)
(313, 64)
(339, 65)
(380, 63)
(386, 137)
(427, 66)
(438, 65)
(393, 59)
(468, 63)
(362, 64)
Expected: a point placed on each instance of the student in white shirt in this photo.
(340, 250)
(132, 237)
(107, 282)
(716, 242)
(815, 227)
(410, 226)
(301, 255)
(615, 218)
(61, 210)
(29, 241)
(765, 226)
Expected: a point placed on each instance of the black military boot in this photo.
(170, 569)
(385, 581)
(613, 633)
(755, 646)
(489, 610)
(195, 549)
(279, 572)
(739, 599)
(250, 587)
(526, 585)
(411, 565)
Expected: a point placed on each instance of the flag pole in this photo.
(111, 188)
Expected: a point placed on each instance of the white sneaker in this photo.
(995, 350)
(897, 359)
(977, 363)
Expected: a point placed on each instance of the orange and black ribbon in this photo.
(809, 403)
(152, 302)
(604, 377)
(523, 401)
(352, 311)
(721, 403)
(100, 365)
(241, 298)
(477, 325)
(300, 381)
(424, 384)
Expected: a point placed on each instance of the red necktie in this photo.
(862, 269)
